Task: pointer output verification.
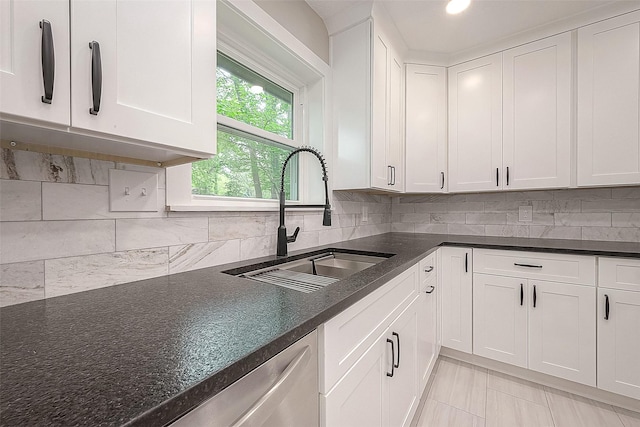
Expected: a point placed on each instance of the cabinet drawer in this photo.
(344, 338)
(536, 265)
(619, 273)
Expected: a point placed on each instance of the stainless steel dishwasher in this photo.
(281, 392)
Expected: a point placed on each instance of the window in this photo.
(255, 136)
(273, 96)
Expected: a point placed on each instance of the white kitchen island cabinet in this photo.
(609, 102)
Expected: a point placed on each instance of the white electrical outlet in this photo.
(525, 213)
(365, 213)
(131, 191)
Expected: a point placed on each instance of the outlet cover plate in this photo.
(525, 213)
(131, 191)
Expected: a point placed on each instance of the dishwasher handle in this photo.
(265, 405)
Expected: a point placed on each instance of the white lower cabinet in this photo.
(370, 356)
(427, 320)
(500, 318)
(381, 388)
(456, 288)
(562, 331)
(545, 326)
(618, 326)
(618, 343)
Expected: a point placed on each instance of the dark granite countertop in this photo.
(144, 353)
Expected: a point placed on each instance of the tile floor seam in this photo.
(517, 397)
(553, 419)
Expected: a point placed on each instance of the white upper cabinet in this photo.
(426, 129)
(367, 98)
(537, 114)
(155, 70)
(475, 125)
(34, 59)
(608, 102)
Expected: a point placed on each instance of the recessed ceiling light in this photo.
(457, 6)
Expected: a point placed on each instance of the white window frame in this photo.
(315, 73)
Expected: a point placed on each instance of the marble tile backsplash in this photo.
(57, 235)
(611, 214)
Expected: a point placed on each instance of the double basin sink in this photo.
(312, 271)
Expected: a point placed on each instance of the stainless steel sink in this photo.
(314, 271)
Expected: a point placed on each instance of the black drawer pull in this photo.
(96, 77)
(535, 296)
(442, 185)
(606, 307)
(521, 294)
(430, 289)
(428, 269)
(466, 262)
(395, 334)
(527, 265)
(393, 358)
(497, 177)
(48, 61)
(507, 175)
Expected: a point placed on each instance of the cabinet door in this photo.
(500, 318)
(360, 397)
(562, 330)
(475, 125)
(395, 147)
(537, 114)
(157, 70)
(608, 102)
(403, 386)
(618, 343)
(380, 167)
(427, 335)
(21, 59)
(426, 129)
(456, 298)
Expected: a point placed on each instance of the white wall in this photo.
(301, 21)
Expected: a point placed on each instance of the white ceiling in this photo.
(425, 26)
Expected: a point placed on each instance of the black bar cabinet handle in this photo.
(606, 307)
(466, 262)
(527, 265)
(497, 177)
(442, 185)
(521, 294)
(48, 61)
(393, 175)
(393, 358)
(389, 174)
(535, 296)
(507, 175)
(96, 77)
(395, 334)
(430, 289)
(428, 269)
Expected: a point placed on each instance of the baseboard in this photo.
(544, 379)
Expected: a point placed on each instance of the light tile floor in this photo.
(463, 395)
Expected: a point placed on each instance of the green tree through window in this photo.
(247, 165)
